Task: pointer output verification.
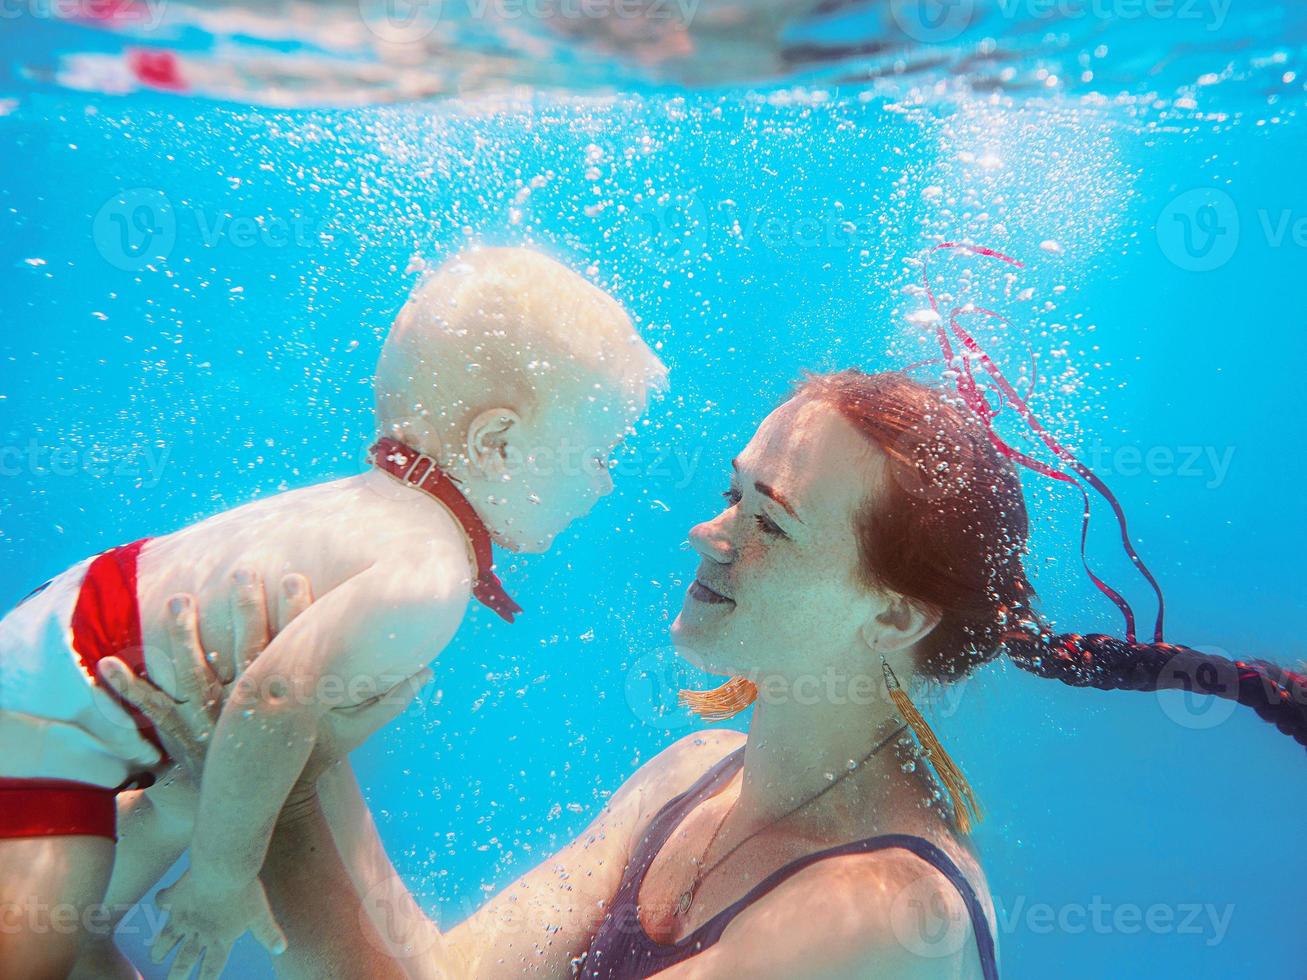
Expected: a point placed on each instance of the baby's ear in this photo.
(488, 436)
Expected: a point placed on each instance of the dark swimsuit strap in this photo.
(671, 815)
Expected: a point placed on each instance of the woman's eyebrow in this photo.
(767, 490)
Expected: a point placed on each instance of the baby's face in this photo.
(558, 466)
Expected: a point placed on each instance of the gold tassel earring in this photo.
(722, 702)
(965, 804)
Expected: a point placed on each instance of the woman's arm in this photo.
(536, 926)
(186, 726)
(328, 930)
(340, 912)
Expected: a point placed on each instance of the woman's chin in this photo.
(691, 646)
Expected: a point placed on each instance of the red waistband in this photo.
(56, 808)
(106, 622)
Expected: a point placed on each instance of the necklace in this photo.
(687, 896)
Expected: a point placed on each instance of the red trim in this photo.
(420, 471)
(106, 622)
(56, 808)
(969, 390)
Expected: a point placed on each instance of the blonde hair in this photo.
(506, 327)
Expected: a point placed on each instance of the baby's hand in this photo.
(207, 919)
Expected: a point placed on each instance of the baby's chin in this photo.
(536, 542)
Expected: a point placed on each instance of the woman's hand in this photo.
(203, 681)
(185, 725)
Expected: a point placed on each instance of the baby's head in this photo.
(520, 378)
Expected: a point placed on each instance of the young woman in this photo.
(871, 535)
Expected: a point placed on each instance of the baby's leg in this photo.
(149, 842)
(50, 894)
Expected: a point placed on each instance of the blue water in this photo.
(194, 295)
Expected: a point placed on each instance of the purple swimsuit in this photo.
(622, 950)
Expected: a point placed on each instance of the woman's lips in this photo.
(702, 593)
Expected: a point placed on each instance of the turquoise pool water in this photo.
(195, 290)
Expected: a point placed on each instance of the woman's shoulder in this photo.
(678, 767)
(889, 910)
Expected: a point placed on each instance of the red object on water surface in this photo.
(157, 68)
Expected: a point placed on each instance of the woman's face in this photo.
(777, 591)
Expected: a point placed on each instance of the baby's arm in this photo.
(361, 638)
(357, 640)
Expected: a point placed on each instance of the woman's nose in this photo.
(711, 541)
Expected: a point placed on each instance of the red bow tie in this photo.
(419, 470)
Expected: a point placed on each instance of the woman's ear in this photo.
(902, 623)
(488, 438)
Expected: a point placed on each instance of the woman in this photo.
(871, 535)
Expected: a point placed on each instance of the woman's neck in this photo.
(794, 752)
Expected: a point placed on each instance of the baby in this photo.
(501, 390)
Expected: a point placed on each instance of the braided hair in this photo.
(1107, 663)
(949, 529)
